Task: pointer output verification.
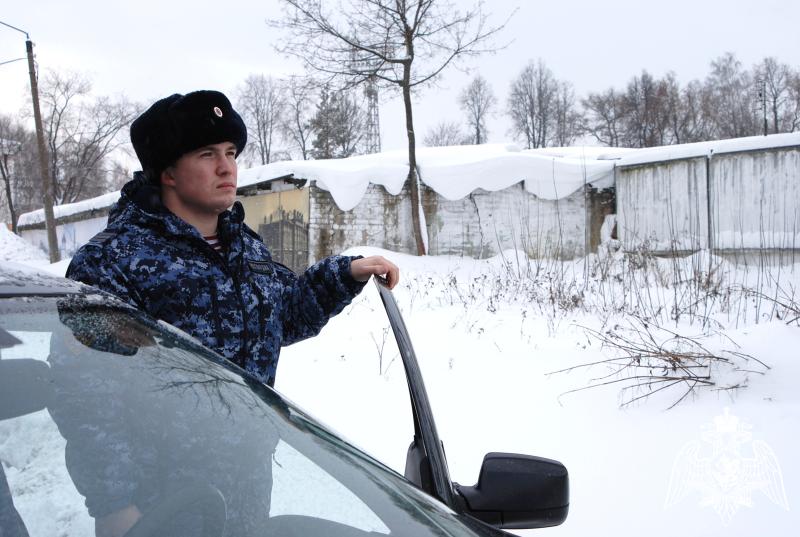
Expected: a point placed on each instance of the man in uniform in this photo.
(176, 245)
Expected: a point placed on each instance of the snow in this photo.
(583, 152)
(68, 209)
(453, 172)
(702, 149)
(491, 335)
(488, 358)
(15, 248)
(456, 171)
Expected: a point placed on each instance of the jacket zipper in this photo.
(245, 331)
(215, 310)
(262, 322)
(223, 262)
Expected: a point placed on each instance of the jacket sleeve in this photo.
(92, 267)
(321, 292)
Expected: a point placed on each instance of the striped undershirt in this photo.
(213, 241)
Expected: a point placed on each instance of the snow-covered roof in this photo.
(68, 209)
(454, 172)
(583, 152)
(702, 149)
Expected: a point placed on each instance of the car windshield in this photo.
(102, 410)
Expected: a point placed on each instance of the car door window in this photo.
(301, 487)
(33, 463)
(131, 414)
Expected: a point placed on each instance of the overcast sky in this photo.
(148, 49)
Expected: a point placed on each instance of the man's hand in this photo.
(362, 269)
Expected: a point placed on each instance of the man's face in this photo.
(203, 181)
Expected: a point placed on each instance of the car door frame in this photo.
(426, 436)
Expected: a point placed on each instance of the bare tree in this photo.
(445, 133)
(10, 146)
(532, 103)
(604, 114)
(477, 101)
(696, 103)
(18, 170)
(731, 90)
(650, 112)
(687, 111)
(677, 113)
(58, 93)
(296, 124)
(793, 110)
(654, 111)
(776, 79)
(646, 116)
(568, 122)
(119, 174)
(262, 104)
(81, 134)
(400, 44)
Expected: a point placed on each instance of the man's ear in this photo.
(167, 177)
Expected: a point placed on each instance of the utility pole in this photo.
(44, 168)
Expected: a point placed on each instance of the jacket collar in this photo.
(140, 203)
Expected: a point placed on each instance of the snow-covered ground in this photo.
(489, 339)
(13, 248)
(492, 335)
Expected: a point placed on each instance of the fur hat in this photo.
(178, 124)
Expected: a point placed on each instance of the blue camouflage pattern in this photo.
(238, 302)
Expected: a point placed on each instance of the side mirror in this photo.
(518, 492)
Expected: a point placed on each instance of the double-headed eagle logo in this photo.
(726, 467)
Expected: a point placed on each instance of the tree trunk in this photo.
(7, 181)
(775, 119)
(412, 162)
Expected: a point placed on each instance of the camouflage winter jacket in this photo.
(240, 303)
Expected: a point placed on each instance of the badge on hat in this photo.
(217, 111)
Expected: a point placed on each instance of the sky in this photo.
(149, 49)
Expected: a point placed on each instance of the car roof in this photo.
(21, 280)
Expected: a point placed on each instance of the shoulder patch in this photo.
(262, 267)
(102, 237)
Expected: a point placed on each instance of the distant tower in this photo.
(363, 66)
(373, 118)
(760, 99)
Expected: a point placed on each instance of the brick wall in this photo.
(480, 225)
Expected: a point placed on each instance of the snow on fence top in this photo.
(68, 209)
(455, 172)
(702, 149)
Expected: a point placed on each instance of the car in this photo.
(105, 411)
